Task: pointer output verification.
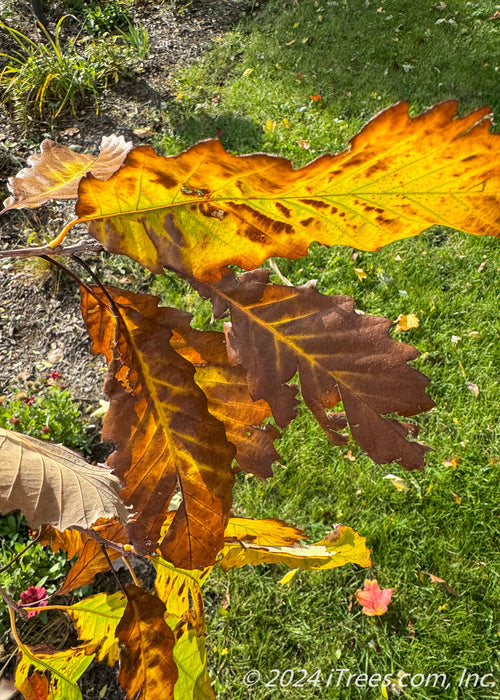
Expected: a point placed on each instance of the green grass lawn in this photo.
(254, 89)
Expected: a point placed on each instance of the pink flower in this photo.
(34, 596)
(55, 375)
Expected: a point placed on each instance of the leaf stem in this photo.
(103, 548)
(13, 626)
(132, 572)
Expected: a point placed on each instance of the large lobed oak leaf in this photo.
(53, 485)
(204, 209)
(147, 667)
(340, 355)
(165, 437)
(55, 173)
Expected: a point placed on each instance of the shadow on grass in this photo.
(358, 56)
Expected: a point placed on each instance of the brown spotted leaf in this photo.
(53, 485)
(165, 437)
(340, 355)
(43, 669)
(229, 400)
(205, 208)
(147, 666)
(55, 173)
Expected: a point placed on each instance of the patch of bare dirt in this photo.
(41, 328)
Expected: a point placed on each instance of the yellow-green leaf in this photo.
(191, 658)
(56, 672)
(96, 619)
(342, 546)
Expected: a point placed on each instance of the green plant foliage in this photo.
(108, 16)
(40, 79)
(45, 412)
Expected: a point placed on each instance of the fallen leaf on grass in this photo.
(473, 388)
(288, 577)
(445, 584)
(304, 143)
(405, 322)
(452, 462)
(373, 599)
(360, 273)
(398, 483)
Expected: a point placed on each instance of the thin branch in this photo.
(115, 574)
(85, 246)
(125, 550)
(20, 554)
(12, 605)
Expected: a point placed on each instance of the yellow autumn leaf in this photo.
(398, 483)
(405, 322)
(205, 208)
(288, 577)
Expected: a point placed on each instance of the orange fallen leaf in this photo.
(315, 98)
(407, 321)
(436, 579)
(373, 599)
(452, 462)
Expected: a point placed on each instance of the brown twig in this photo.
(85, 246)
(12, 605)
(107, 543)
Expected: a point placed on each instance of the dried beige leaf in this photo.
(54, 486)
(55, 173)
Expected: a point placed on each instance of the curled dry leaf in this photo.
(55, 173)
(54, 486)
